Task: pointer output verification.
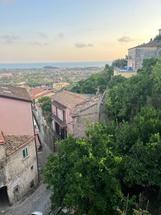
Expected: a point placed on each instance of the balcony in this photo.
(59, 121)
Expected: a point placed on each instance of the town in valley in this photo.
(79, 138)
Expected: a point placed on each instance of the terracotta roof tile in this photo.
(15, 93)
(39, 92)
(69, 99)
(13, 143)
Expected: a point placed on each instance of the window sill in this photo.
(26, 158)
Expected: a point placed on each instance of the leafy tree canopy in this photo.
(125, 99)
(116, 168)
(45, 103)
(98, 81)
(120, 63)
(84, 179)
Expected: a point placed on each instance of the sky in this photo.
(74, 30)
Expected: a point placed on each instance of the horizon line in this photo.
(37, 62)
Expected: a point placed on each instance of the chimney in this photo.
(159, 32)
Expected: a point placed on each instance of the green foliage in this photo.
(36, 82)
(142, 160)
(141, 212)
(118, 79)
(120, 63)
(125, 98)
(157, 38)
(83, 178)
(157, 77)
(135, 212)
(120, 158)
(143, 163)
(148, 65)
(45, 103)
(93, 175)
(98, 81)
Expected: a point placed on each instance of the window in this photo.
(25, 153)
(60, 114)
(64, 119)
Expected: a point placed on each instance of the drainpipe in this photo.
(38, 174)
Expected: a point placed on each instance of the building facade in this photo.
(137, 54)
(18, 155)
(73, 113)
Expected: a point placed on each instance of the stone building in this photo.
(137, 54)
(18, 156)
(73, 113)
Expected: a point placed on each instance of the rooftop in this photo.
(156, 42)
(69, 99)
(13, 143)
(39, 92)
(152, 43)
(18, 93)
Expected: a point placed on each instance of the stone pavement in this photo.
(37, 201)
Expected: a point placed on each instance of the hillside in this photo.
(116, 169)
(95, 82)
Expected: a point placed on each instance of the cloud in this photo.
(84, 45)
(125, 39)
(42, 35)
(9, 38)
(60, 35)
(40, 44)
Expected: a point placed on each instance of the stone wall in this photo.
(21, 173)
(137, 55)
(2, 174)
(144, 53)
(132, 58)
(2, 152)
(85, 115)
(78, 118)
(2, 164)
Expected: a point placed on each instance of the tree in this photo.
(116, 168)
(84, 179)
(157, 77)
(157, 38)
(148, 65)
(126, 98)
(142, 161)
(118, 79)
(141, 212)
(95, 174)
(98, 81)
(120, 63)
(45, 103)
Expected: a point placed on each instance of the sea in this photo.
(53, 64)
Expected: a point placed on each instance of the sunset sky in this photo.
(74, 30)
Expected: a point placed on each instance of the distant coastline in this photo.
(53, 65)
